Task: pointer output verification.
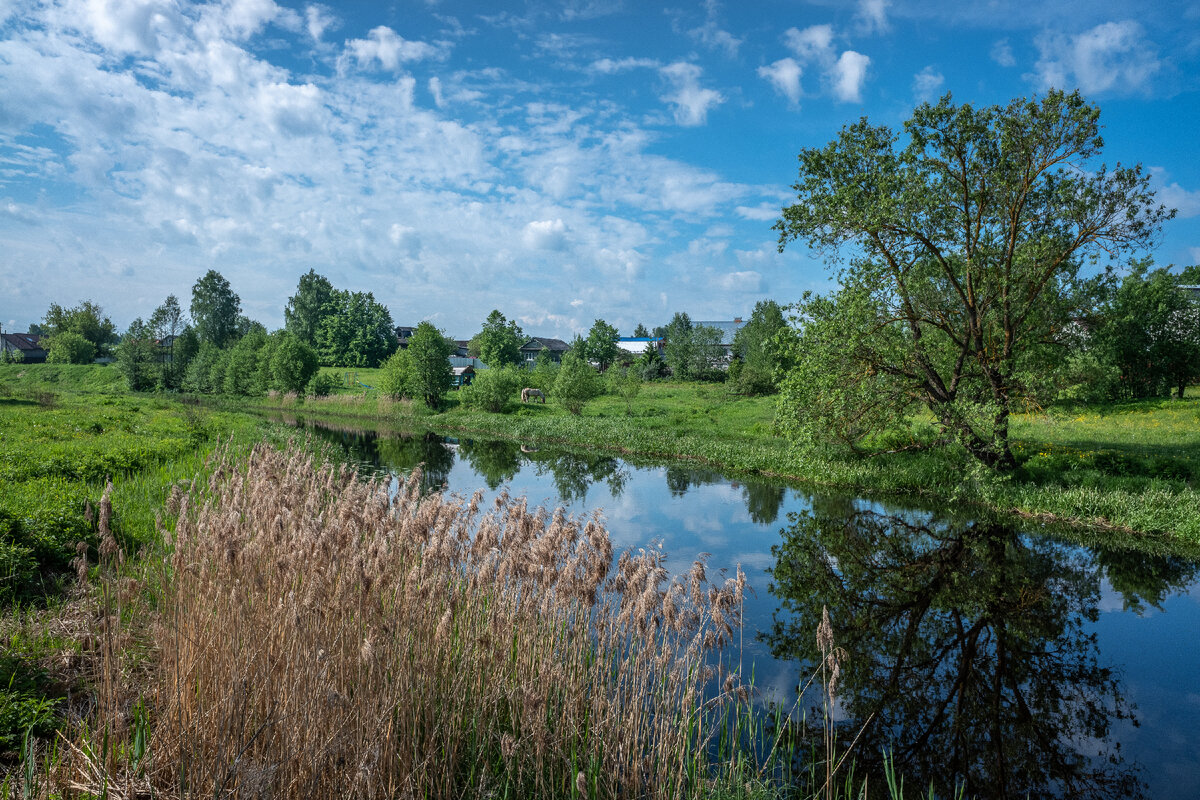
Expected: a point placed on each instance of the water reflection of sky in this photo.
(689, 512)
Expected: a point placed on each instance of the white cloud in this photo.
(691, 101)
(124, 26)
(927, 84)
(760, 213)
(545, 234)
(1002, 54)
(814, 43)
(849, 74)
(843, 75)
(387, 48)
(435, 89)
(785, 76)
(745, 281)
(1113, 56)
(608, 66)
(1172, 195)
(872, 15)
(318, 19)
(712, 35)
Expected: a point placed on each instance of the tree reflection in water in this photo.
(968, 650)
(495, 460)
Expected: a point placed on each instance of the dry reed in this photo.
(321, 637)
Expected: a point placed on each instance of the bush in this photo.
(576, 384)
(70, 348)
(323, 384)
(293, 364)
(492, 389)
(397, 376)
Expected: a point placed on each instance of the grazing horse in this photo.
(528, 394)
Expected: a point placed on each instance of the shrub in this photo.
(323, 384)
(70, 348)
(492, 389)
(577, 383)
(396, 377)
(293, 364)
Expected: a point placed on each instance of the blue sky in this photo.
(559, 161)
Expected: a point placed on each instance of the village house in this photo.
(531, 348)
(28, 345)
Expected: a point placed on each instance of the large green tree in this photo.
(601, 344)
(758, 351)
(690, 350)
(499, 342)
(166, 325)
(968, 242)
(312, 302)
(215, 309)
(137, 356)
(1149, 332)
(358, 332)
(87, 320)
(431, 372)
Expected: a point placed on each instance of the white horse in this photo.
(529, 394)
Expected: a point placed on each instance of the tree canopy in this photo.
(356, 332)
(312, 302)
(968, 244)
(1149, 332)
(215, 309)
(432, 376)
(756, 347)
(690, 350)
(499, 342)
(601, 344)
(87, 320)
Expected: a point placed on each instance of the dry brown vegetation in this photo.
(315, 635)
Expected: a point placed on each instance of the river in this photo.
(1008, 660)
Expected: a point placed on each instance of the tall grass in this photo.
(320, 637)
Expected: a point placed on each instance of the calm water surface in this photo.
(1012, 661)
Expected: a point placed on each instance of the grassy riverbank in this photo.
(1132, 466)
(58, 450)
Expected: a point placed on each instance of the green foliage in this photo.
(499, 343)
(757, 349)
(691, 351)
(355, 331)
(69, 347)
(577, 383)
(544, 372)
(323, 384)
(1149, 333)
(833, 395)
(641, 332)
(969, 241)
(492, 389)
(198, 377)
(601, 344)
(137, 357)
(432, 375)
(627, 383)
(314, 300)
(87, 320)
(396, 375)
(215, 309)
(650, 364)
(242, 374)
(293, 363)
